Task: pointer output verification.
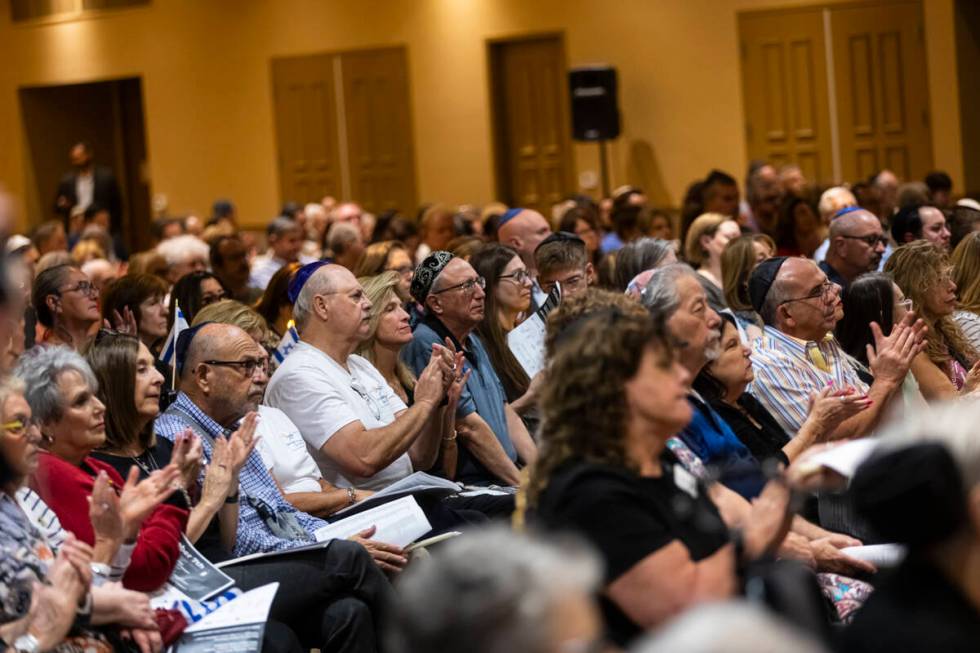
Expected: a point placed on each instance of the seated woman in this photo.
(616, 394)
(966, 276)
(703, 245)
(61, 391)
(798, 228)
(924, 496)
(274, 305)
(129, 387)
(508, 297)
(66, 305)
(583, 221)
(639, 256)
(923, 273)
(143, 296)
(192, 292)
(722, 384)
(874, 297)
(388, 255)
(738, 259)
(40, 559)
(389, 332)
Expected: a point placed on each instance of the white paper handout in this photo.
(880, 555)
(399, 522)
(526, 341)
(845, 458)
(236, 626)
(252, 607)
(417, 482)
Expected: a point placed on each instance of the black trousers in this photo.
(331, 598)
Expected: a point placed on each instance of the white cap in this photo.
(16, 242)
(968, 203)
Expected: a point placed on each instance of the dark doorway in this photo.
(107, 115)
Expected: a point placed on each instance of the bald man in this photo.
(524, 229)
(361, 433)
(857, 243)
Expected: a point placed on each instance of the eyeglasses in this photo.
(905, 303)
(369, 399)
(870, 241)
(519, 277)
(84, 287)
(571, 283)
(18, 427)
(466, 286)
(827, 290)
(248, 366)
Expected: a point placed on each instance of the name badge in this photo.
(685, 481)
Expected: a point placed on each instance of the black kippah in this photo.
(762, 279)
(913, 495)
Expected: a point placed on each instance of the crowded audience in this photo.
(602, 426)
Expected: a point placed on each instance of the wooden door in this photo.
(785, 90)
(531, 122)
(883, 95)
(306, 128)
(378, 121)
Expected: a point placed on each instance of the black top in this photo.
(833, 275)
(628, 517)
(157, 457)
(914, 610)
(765, 438)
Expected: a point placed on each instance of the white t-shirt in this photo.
(321, 398)
(283, 450)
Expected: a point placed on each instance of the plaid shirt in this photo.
(255, 482)
(786, 374)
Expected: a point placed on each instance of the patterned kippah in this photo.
(426, 273)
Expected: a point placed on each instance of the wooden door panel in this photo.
(784, 87)
(532, 123)
(306, 133)
(379, 129)
(883, 99)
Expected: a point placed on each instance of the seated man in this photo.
(857, 244)
(674, 293)
(360, 431)
(797, 356)
(285, 239)
(920, 222)
(492, 436)
(222, 373)
(562, 258)
(523, 230)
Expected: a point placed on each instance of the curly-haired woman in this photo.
(924, 274)
(614, 397)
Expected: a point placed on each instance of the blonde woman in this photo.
(966, 275)
(389, 332)
(706, 240)
(922, 271)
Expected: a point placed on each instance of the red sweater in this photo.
(66, 489)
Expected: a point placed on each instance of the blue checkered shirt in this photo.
(253, 535)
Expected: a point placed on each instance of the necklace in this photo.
(149, 465)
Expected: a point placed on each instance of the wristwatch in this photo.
(26, 643)
(100, 573)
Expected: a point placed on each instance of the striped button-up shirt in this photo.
(788, 370)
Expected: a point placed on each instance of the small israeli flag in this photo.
(170, 348)
(287, 343)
